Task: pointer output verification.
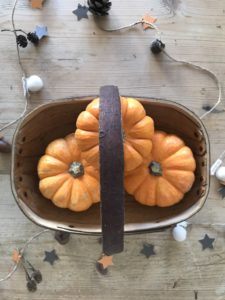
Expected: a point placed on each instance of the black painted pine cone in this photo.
(99, 7)
(33, 38)
(21, 41)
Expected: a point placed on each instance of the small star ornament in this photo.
(36, 3)
(106, 261)
(148, 250)
(41, 31)
(5, 147)
(222, 191)
(16, 256)
(208, 107)
(81, 12)
(149, 19)
(51, 257)
(207, 242)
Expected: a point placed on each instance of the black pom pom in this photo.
(31, 285)
(36, 275)
(33, 38)
(21, 41)
(157, 46)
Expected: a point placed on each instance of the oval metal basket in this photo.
(57, 119)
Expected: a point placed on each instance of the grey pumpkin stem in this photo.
(155, 168)
(76, 169)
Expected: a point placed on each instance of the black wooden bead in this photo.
(157, 46)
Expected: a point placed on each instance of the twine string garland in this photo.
(21, 252)
(188, 64)
(151, 25)
(26, 95)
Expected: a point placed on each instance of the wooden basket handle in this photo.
(111, 170)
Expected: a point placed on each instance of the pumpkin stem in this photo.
(76, 169)
(155, 168)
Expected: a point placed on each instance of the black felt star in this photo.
(207, 242)
(148, 250)
(208, 107)
(222, 191)
(51, 256)
(41, 31)
(81, 12)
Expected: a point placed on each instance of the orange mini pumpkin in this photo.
(138, 130)
(166, 176)
(67, 179)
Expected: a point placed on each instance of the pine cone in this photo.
(99, 7)
(33, 38)
(21, 41)
(31, 285)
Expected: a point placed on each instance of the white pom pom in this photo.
(34, 83)
(220, 174)
(179, 233)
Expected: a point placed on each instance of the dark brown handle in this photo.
(111, 170)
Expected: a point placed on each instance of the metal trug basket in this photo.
(57, 119)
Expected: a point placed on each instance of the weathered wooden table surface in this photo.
(76, 59)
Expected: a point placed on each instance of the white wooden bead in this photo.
(179, 233)
(34, 83)
(220, 174)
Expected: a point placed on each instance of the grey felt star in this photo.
(41, 31)
(148, 250)
(207, 242)
(51, 256)
(81, 12)
(208, 107)
(222, 192)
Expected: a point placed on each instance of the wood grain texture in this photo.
(76, 60)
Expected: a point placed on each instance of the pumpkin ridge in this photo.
(138, 128)
(171, 154)
(174, 184)
(175, 188)
(84, 188)
(129, 152)
(176, 157)
(64, 176)
(40, 166)
(156, 190)
(89, 192)
(141, 182)
(59, 150)
(91, 144)
(62, 161)
(90, 195)
(59, 186)
(67, 140)
(70, 190)
(179, 190)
